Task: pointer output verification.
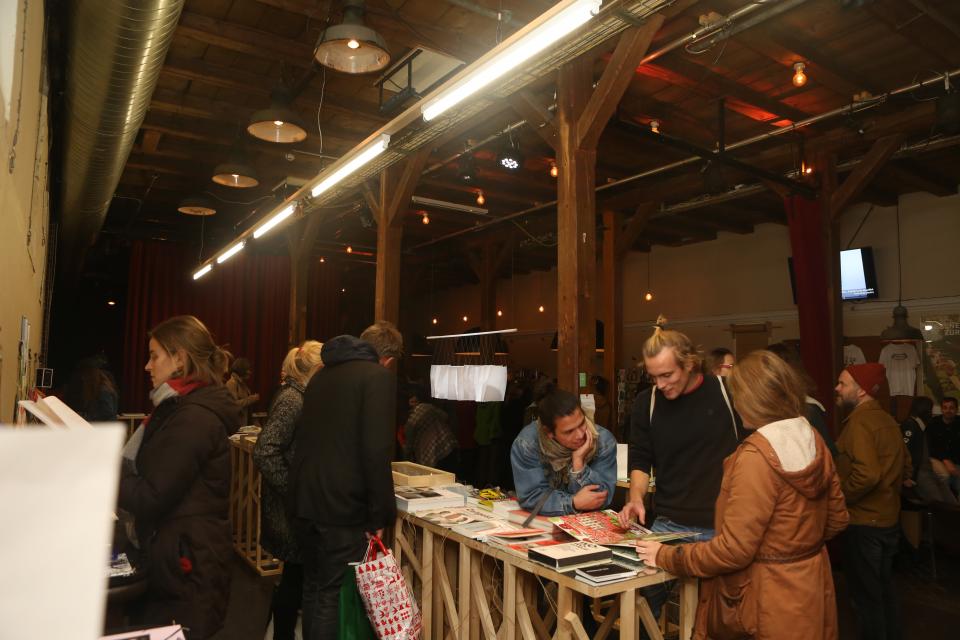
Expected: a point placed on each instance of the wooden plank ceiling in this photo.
(227, 55)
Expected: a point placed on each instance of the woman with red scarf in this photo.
(176, 479)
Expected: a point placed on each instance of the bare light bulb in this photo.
(499, 313)
(435, 321)
(278, 123)
(344, 290)
(322, 259)
(648, 297)
(655, 126)
(480, 198)
(111, 303)
(425, 219)
(353, 43)
(554, 171)
(540, 308)
(349, 249)
(799, 77)
(465, 318)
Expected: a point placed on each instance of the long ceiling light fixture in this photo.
(275, 219)
(199, 273)
(232, 251)
(559, 21)
(348, 164)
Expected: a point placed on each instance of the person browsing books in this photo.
(684, 426)
(562, 462)
(175, 480)
(767, 571)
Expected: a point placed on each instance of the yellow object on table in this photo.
(467, 589)
(245, 507)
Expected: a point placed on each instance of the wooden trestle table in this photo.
(467, 590)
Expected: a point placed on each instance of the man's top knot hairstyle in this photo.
(686, 352)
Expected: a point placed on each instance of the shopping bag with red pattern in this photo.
(390, 605)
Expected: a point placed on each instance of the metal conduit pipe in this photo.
(853, 107)
(115, 51)
(504, 15)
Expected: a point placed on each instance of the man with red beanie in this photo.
(872, 462)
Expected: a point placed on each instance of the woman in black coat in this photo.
(176, 479)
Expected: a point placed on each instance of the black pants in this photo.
(868, 565)
(287, 597)
(326, 553)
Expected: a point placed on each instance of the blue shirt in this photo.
(530, 473)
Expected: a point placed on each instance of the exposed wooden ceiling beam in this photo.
(243, 39)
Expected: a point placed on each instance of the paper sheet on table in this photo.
(58, 489)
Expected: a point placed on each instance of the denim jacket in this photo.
(530, 473)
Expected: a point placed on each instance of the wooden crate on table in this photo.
(410, 474)
(245, 508)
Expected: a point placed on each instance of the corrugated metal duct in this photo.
(115, 52)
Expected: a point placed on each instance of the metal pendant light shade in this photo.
(901, 329)
(197, 206)
(351, 46)
(236, 173)
(279, 122)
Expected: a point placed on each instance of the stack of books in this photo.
(604, 573)
(415, 499)
(570, 555)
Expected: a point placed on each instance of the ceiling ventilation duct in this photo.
(115, 51)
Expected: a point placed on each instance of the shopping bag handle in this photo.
(375, 542)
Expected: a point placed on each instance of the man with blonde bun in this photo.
(872, 462)
(684, 428)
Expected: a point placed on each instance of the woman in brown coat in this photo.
(767, 570)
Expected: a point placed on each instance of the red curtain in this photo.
(805, 219)
(245, 303)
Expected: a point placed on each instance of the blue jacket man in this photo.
(563, 463)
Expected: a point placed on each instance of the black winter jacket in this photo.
(179, 497)
(344, 440)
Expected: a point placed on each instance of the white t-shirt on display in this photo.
(901, 361)
(852, 354)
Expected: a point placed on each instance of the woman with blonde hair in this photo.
(273, 454)
(175, 479)
(767, 570)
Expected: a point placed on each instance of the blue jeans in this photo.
(656, 595)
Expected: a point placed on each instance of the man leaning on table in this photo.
(562, 462)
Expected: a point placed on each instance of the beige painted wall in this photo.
(735, 279)
(24, 201)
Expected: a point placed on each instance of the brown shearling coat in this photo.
(768, 553)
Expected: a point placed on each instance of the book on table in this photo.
(520, 516)
(603, 527)
(604, 573)
(414, 499)
(570, 553)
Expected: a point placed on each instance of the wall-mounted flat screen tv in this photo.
(858, 277)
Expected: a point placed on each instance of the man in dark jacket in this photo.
(342, 481)
(927, 485)
(872, 462)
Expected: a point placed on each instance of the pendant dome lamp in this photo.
(352, 46)
(236, 172)
(277, 123)
(197, 206)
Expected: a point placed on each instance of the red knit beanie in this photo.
(869, 376)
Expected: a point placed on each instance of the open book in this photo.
(52, 412)
(603, 527)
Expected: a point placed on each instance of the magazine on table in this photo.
(603, 527)
(455, 516)
(570, 553)
(495, 530)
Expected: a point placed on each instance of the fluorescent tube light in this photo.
(232, 251)
(202, 272)
(513, 54)
(285, 213)
(367, 154)
(444, 204)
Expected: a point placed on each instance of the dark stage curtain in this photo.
(805, 219)
(245, 304)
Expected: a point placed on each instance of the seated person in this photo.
(562, 462)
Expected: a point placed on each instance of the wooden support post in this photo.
(300, 239)
(582, 114)
(397, 183)
(617, 241)
(485, 265)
